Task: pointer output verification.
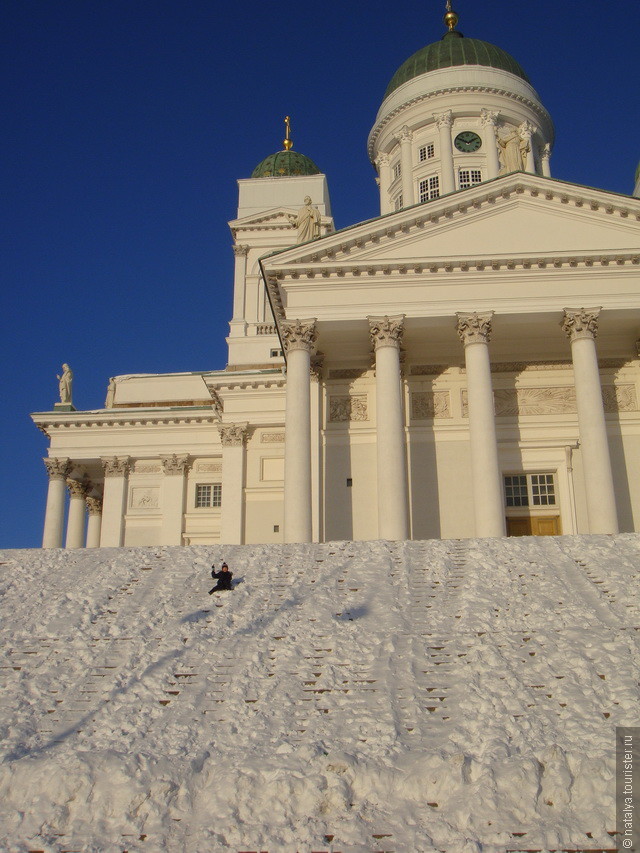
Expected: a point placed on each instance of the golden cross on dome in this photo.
(288, 144)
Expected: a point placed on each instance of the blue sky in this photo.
(127, 125)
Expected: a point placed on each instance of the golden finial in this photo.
(288, 144)
(450, 18)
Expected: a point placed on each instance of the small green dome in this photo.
(454, 49)
(285, 164)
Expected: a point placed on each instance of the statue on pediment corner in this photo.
(65, 385)
(307, 221)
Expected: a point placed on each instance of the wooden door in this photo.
(534, 525)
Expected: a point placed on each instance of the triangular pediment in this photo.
(274, 216)
(515, 217)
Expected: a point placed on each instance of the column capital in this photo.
(94, 505)
(317, 363)
(527, 130)
(443, 119)
(489, 117)
(546, 151)
(404, 135)
(582, 323)
(474, 328)
(299, 335)
(76, 488)
(386, 331)
(175, 464)
(57, 469)
(116, 466)
(382, 159)
(240, 251)
(233, 435)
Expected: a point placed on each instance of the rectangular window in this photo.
(469, 178)
(429, 188)
(515, 487)
(543, 490)
(426, 152)
(397, 170)
(208, 494)
(276, 353)
(398, 203)
(529, 490)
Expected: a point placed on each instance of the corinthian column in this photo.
(299, 337)
(546, 158)
(77, 514)
(488, 121)
(474, 331)
(173, 489)
(384, 172)
(94, 507)
(444, 122)
(582, 327)
(233, 438)
(114, 501)
(57, 470)
(393, 511)
(527, 131)
(404, 138)
(239, 279)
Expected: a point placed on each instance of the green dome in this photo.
(454, 49)
(285, 164)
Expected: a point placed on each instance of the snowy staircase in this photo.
(447, 648)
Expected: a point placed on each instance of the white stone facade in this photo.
(463, 365)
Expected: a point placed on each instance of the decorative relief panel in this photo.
(348, 408)
(272, 438)
(535, 401)
(144, 498)
(428, 369)
(347, 373)
(620, 398)
(511, 402)
(426, 405)
(214, 467)
(147, 468)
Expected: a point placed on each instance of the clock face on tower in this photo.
(467, 141)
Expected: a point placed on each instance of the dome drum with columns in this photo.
(465, 364)
(458, 112)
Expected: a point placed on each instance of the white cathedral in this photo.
(465, 364)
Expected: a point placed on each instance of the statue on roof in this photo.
(307, 222)
(65, 383)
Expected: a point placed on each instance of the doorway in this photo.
(530, 504)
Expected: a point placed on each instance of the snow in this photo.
(373, 696)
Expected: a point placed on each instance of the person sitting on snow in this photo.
(223, 578)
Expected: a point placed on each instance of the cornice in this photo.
(448, 90)
(49, 421)
(251, 384)
(368, 270)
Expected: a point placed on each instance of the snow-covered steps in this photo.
(441, 695)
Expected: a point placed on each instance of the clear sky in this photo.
(128, 122)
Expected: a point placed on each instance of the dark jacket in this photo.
(223, 578)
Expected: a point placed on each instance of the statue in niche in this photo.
(65, 383)
(307, 222)
(512, 151)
